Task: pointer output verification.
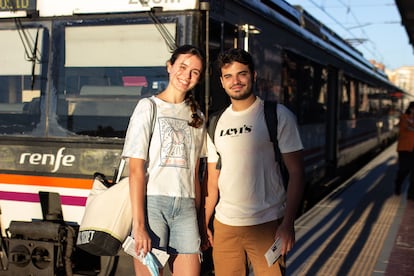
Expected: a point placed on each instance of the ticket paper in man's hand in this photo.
(274, 252)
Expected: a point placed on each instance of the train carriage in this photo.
(72, 71)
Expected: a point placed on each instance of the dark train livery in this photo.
(71, 73)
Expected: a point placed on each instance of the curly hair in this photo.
(235, 55)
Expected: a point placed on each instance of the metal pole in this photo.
(206, 7)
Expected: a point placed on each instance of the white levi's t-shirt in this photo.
(250, 186)
(175, 147)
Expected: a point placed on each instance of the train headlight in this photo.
(19, 255)
(28, 257)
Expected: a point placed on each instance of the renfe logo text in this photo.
(48, 159)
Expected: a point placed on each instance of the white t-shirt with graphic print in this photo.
(250, 186)
(174, 150)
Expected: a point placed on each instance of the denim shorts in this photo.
(173, 224)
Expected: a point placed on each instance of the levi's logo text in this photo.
(236, 131)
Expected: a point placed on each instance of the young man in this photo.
(252, 207)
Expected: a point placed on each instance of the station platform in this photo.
(361, 228)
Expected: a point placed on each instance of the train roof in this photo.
(299, 21)
(294, 18)
(46, 8)
(406, 8)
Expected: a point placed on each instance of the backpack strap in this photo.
(211, 130)
(154, 115)
(153, 121)
(270, 111)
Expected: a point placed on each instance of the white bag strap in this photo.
(119, 171)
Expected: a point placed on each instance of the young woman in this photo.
(163, 167)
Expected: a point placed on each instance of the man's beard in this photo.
(241, 96)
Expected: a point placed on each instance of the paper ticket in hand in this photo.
(274, 252)
(129, 248)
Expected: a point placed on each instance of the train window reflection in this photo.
(20, 80)
(348, 108)
(307, 98)
(107, 70)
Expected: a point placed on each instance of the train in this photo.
(71, 73)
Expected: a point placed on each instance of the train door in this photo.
(305, 92)
(332, 145)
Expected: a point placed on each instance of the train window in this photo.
(20, 79)
(386, 105)
(348, 101)
(364, 105)
(305, 89)
(269, 77)
(107, 70)
(380, 102)
(373, 101)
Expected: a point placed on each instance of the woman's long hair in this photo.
(196, 121)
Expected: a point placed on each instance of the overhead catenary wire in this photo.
(350, 8)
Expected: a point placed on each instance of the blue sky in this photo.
(376, 22)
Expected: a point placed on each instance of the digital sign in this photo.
(17, 5)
